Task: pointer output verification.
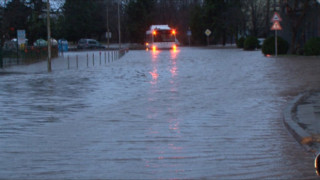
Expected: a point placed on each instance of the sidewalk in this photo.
(302, 118)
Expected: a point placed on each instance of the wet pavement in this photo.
(194, 113)
(308, 113)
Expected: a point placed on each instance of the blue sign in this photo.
(189, 33)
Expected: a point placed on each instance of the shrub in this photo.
(268, 46)
(312, 47)
(251, 43)
(240, 42)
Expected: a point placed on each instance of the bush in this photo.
(251, 43)
(240, 42)
(268, 46)
(312, 47)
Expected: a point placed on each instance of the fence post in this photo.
(1, 62)
(93, 59)
(77, 61)
(105, 57)
(100, 58)
(87, 60)
(68, 62)
(17, 53)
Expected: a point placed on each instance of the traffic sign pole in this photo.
(275, 27)
(207, 32)
(276, 43)
(189, 33)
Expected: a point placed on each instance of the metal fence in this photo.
(92, 58)
(28, 55)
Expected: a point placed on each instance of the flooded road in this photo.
(193, 113)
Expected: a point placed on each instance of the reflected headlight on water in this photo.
(316, 164)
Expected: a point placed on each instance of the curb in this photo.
(297, 131)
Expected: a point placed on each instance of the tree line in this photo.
(227, 19)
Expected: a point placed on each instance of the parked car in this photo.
(89, 44)
(10, 45)
(54, 42)
(261, 40)
(40, 43)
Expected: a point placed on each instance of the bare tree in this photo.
(296, 11)
(256, 15)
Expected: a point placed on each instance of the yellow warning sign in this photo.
(276, 26)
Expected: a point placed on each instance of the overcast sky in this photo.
(54, 3)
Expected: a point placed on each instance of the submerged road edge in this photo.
(293, 127)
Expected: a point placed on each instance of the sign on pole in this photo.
(108, 35)
(208, 32)
(276, 17)
(21, 34)
(276, 27)
(189, 33)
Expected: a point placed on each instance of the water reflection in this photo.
(154, 72)
(164, 114)
(174, 68)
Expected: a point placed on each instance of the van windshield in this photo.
(164, 36)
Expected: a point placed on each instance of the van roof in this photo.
(162, 27)
(158, 27)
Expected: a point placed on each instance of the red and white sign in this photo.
(276, 26)
(276, 17)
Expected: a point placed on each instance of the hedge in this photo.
(251, 43)
(312, 47)
(240, 42)
(268, 46)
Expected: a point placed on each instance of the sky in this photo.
(55, 4)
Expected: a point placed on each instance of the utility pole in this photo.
(108, 31)
(49, 36)
(119, 24)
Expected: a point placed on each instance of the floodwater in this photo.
(193, 113)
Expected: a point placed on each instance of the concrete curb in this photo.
(288, 118)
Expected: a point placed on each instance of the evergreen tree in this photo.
(139, 18)
(15, 17)
(197, 25)
(37, 27)
(82, 19)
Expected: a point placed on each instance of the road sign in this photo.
(207, 32)
(21, 34)
(108, 35)
(276, 26)
(276, 17)
(189, 33)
